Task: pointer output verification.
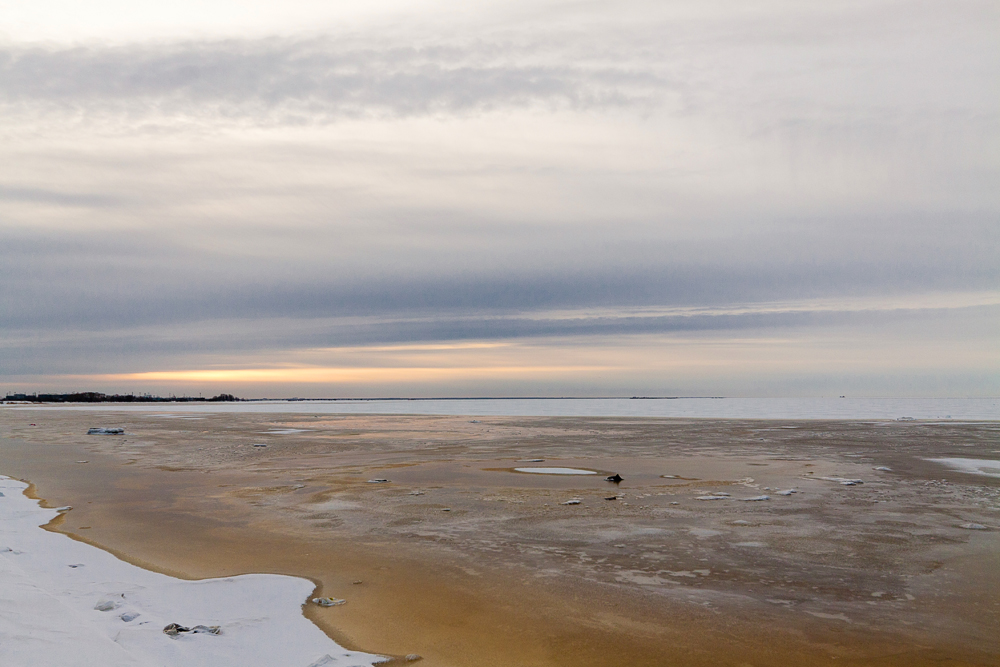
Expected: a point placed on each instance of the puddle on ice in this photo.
(557, 471)
(831, 617)
(334, 504)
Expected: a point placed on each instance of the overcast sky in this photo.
(401, 198)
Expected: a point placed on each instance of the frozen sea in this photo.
(959, 409)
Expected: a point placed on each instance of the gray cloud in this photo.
(61, 279)
(175, 345)
(57, 197)
(315, 77)
(786, 66)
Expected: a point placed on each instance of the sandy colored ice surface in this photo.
(881, 572)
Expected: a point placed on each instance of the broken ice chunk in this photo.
(973, 526)
(329, 602)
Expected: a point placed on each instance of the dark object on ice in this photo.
(175, 629)
(614, 478)
(105, 431)
(378, 480)
(612, 498)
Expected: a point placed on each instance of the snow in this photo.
(52, 589)
(557, 471)
(972, 466)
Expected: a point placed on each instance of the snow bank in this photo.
(53, 588)
(972, 466)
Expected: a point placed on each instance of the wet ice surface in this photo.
(888, 549)
(63, 603)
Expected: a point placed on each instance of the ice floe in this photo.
(846, 481)
(329, 602)
(51, 615)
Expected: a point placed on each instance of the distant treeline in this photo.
(97, 397)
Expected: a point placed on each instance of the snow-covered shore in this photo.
(53, 588)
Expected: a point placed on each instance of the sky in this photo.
(483, 198)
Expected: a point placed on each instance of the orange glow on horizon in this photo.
(343, 375)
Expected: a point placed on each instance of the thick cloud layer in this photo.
(571, 173)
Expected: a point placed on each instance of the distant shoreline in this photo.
(98, 397)
(902, 409)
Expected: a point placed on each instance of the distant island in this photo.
(97, 397)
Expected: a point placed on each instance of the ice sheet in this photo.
(557, 471)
